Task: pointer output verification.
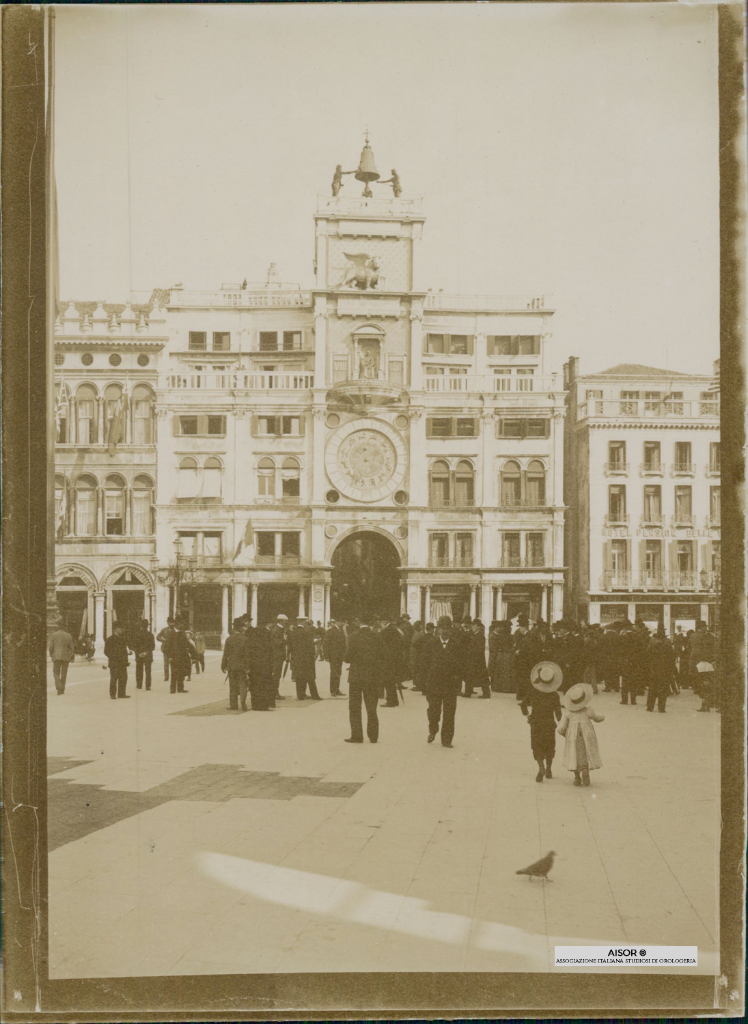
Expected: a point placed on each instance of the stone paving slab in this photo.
(253, 843)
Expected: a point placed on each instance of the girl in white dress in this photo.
(581, 752)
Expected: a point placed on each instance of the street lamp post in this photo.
(177, 575)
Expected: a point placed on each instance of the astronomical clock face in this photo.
(365, 459)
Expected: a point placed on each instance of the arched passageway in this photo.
(365, 579)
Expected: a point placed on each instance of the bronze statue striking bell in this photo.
(366, 170)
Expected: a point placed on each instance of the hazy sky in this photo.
(563, 149)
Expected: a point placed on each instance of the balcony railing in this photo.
(667, 580)
(712, 469)
(617, 519)
(515, 562)
(641, 409)
(652, 468)
(278, 559)
(682, 468)
(611, 468)
(256, 297)
(489, 383)
(239, 381)
(498, 303)
(713, 522)
(508, 502)
(445, 562)
(652, 519)
(451, 503)
(683, 519)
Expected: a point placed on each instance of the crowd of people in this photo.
(542, 665)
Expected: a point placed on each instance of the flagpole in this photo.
(52, 270)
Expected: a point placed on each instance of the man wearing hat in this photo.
(235, 661)
(581, 753)
(279, 641)
(334, 645)
(444, 680)
(543, 699)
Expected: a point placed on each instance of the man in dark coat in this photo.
(501, 658)
(280, 644)
(182, 654)
(444, 680)
(260, 668)
(702, 651)
(145, 644)
(235, 661)
(407, 629)
(416, 654)
(475, 659)
(333, 647)
(610, 658)
(365, 659)
(632, 667)
(392, 647)
(303, 658)
(116, 653)
(660, 669)
(166, 639)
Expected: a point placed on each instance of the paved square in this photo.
(188, 841)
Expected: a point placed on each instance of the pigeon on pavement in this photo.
(540, 868)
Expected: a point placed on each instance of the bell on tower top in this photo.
(366, 172)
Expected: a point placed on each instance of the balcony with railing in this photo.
(651, 468)
(238, 381)
(490, 383)
(713, 522)
(369, 385)
(617, 519)
(253, 297)
(384, 205)
(599, 408)
(491, 303)
(683, 519)
(673, 581)
(682, 467)
(515, 562)
(712, 469)
(455, 562)
(616, 468)
(436, 502)
(278, 560)
(509, 502)
(652, 519)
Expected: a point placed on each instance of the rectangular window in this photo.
(594, 398)
(674, 403)
(290, 425)
(682, 456)
(523, 427)
(266, 425)
(221, 341)
(291, 547)
(652, 504)
(463, 549)
(510, 550)
(465, 426)
(268, 341)
(536, 549)
(683, 504)
(216, 424)
(653, 558)
(114, 505)
(85, 505)
(439, 549)
(141, 513)
(685, 556)
(292, 341)
(512, 428)
(715, 505)
(189, 544)
(709, 404)
(617, 454)
(212, 548)
(617, 503)
(187, 425)
(513, 345)
(191, 426)
(652, 455)
(291, 487)
(197, 341)
(86, 422)
(629, 403)
(449, 344)
(714, 457)
(141, 422)
(439, 426)
(265, 546)
(619, 557)
(653, 402)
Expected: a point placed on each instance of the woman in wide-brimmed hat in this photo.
(581, 753)
(542, 697)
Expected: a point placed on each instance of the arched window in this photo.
(142, 502)
(114, 506)
(62, 414)
(85, 403)
(142, 415)
(113, 410)
(464, 483)
(61, 507)
(535, 483)
(439, 484)
(266, 478)
(291, 481)
(187, 487)
(212, 472)
(85, 506)
(511, 484)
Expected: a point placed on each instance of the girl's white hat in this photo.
(578, 697)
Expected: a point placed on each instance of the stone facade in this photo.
(642, 471)
(362, 447)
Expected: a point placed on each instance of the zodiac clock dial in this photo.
(365, 461)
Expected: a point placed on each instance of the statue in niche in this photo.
(368, 364)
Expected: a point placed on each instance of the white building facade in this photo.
(643, 490)
(364, 447)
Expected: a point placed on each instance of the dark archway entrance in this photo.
(365, 579)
